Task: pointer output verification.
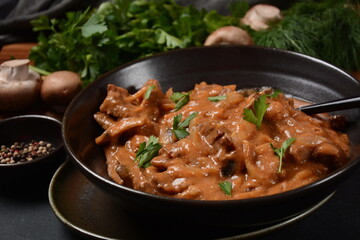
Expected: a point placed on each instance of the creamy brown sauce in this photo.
(221, 145)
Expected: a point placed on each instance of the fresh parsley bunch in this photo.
(93, 41)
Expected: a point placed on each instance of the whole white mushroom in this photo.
(19, 85)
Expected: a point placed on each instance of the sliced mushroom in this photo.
(229, 35)
(19, 85)
(259, 16)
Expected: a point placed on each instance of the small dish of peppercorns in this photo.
(31, 147)
(20, 152)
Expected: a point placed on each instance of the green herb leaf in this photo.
(239, 8)
(120, 31)
(226, 187)
(256, 116)
(169, 40)
(148, 151)
(180, 133)
(186, 122)
(180, 99)
(216, 98)
(179, 128)
(41, 24)
(316, 28)
(148, 91)
(281, 151)
(92, 26)
(275, 94)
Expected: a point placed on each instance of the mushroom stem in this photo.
(19, 86)
(14, 70)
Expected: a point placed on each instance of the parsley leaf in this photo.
(147, 151)
(281, 151)
(274, 94)
(179, 128)
(120, 31)
(256, 116)
(148, 91)
(226, 187)
(180, 99)
(216, 98)
(92, 26)
(169, 40)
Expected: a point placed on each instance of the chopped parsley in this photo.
(148, 91)
(179, 128)
(217, 98)
(274, 94)
(226, 187)
(256, 115)
(147, 151)
(180, 99)
(281, 151)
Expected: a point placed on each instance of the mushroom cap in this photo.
(59, 88)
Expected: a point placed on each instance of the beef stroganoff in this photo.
(214, 142)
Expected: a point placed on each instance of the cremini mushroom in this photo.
(59, 88)
(19, 85)
(259, 16)
(229, 35)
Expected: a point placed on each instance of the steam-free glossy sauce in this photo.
(221, 145)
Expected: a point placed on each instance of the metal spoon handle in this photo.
(336, 105)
